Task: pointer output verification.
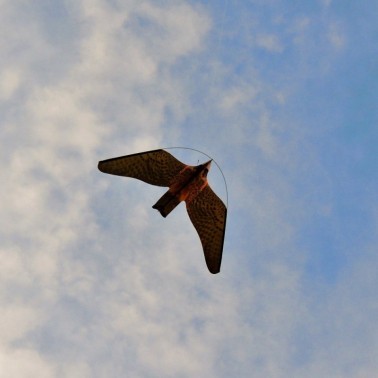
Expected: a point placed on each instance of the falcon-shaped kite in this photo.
(186, 183)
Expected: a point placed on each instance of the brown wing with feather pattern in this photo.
(156, 167)
(208, 215)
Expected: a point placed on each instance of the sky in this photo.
(282, 94)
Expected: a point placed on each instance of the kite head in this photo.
(205, 168)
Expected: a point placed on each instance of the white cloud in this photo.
(10, 81)
(326, 3)
(180, 24)
(269, 42)
(336, 37)
(24, 363)
(237, 96)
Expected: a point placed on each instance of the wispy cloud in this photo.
(270, 42)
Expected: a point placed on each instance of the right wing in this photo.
(208, 215)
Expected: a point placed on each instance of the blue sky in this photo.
(282, 94)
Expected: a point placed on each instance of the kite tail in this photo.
(166, 203)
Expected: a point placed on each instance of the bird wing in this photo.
(156, 167)
(208, 215)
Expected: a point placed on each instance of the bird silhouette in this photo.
(186, 183)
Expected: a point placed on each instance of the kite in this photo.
(186, 183)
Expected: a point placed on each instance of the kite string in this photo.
(203, 153)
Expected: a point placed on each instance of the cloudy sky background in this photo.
(282, 94)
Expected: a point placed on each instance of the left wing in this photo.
(156, 167)
(208, 215)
